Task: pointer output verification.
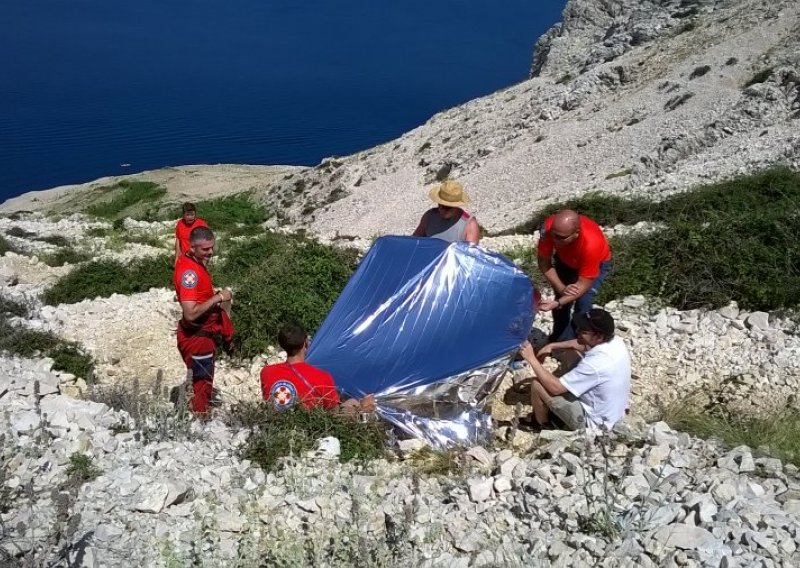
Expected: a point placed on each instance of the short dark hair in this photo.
(597, 320)
(188, 208)
(292, 338)
(200, 234)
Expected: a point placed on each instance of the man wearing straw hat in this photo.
(448, 221)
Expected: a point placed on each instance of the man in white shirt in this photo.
(595, 393)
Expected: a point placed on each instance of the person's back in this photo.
(604, 377)
(287, 384)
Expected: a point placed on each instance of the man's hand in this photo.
(226, 295)
(526, 351)
(368, 404)
(544, 352)
(572, 290)
(548, 305)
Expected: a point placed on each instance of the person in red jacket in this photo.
(574, 256)
(204, 323)
(284, 385)
(183, 228)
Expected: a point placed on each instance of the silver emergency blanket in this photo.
(428, 328)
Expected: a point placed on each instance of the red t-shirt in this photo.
(309, 385)
(182, 231)
(584, 253)
(191, 280)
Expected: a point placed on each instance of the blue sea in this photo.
(91, 88)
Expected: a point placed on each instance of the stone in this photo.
(758, 320)
(684, 536)
(480, 455)
(502, 484)
(26, 422)
(724, 493)
(480, 489)
(229, 521)
(151, 498)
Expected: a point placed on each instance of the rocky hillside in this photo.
(636, 98)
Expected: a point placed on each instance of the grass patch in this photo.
(733, 240)
(97, 231)
(20, 233)
(81, 469)
(9, 307)
(277, 434)
(621, 173)
(127, 195)
(157, 413)
(64, 256)
(779, 431)
(427, 461)
(279, 278)
(6, 246)
(24, 342)
(105, 277)
(55, 240)
(759, 77)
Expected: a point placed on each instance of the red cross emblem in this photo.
(283, 394)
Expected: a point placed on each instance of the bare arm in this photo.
(574, 291)
(422, 227)
(193, 310)
(472, 233)
(548, 349)
(177, 249)
(548, 380)
(549, 272)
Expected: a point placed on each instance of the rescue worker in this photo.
(205, 324)
(188, 221)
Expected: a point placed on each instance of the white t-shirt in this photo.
(602, 383)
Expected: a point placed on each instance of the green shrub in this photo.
(9, 307)
(6, 246)
(81, 469)
(97, 232)
(19, 232)
(277, 279)
(65, 256)
(105, 277)
(24, 342)
(728, 241)
(128, 194)
(235, 215)
(56, 240)
(759, 77)
(277, 434)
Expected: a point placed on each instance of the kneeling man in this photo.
(284, 385)
(595, 393)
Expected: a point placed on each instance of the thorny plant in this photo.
(609, 514)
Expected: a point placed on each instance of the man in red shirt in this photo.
(204, 323)
(574, 257)
(183, 228)
(285, 384)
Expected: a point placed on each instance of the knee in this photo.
(538, 392)
(202, 366)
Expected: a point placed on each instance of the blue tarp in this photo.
(418, 311)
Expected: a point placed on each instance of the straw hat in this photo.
(450, 193)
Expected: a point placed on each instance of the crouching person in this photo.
(283, 385)
(204, 324)
(595, 393)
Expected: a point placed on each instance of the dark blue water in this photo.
(89, 85)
